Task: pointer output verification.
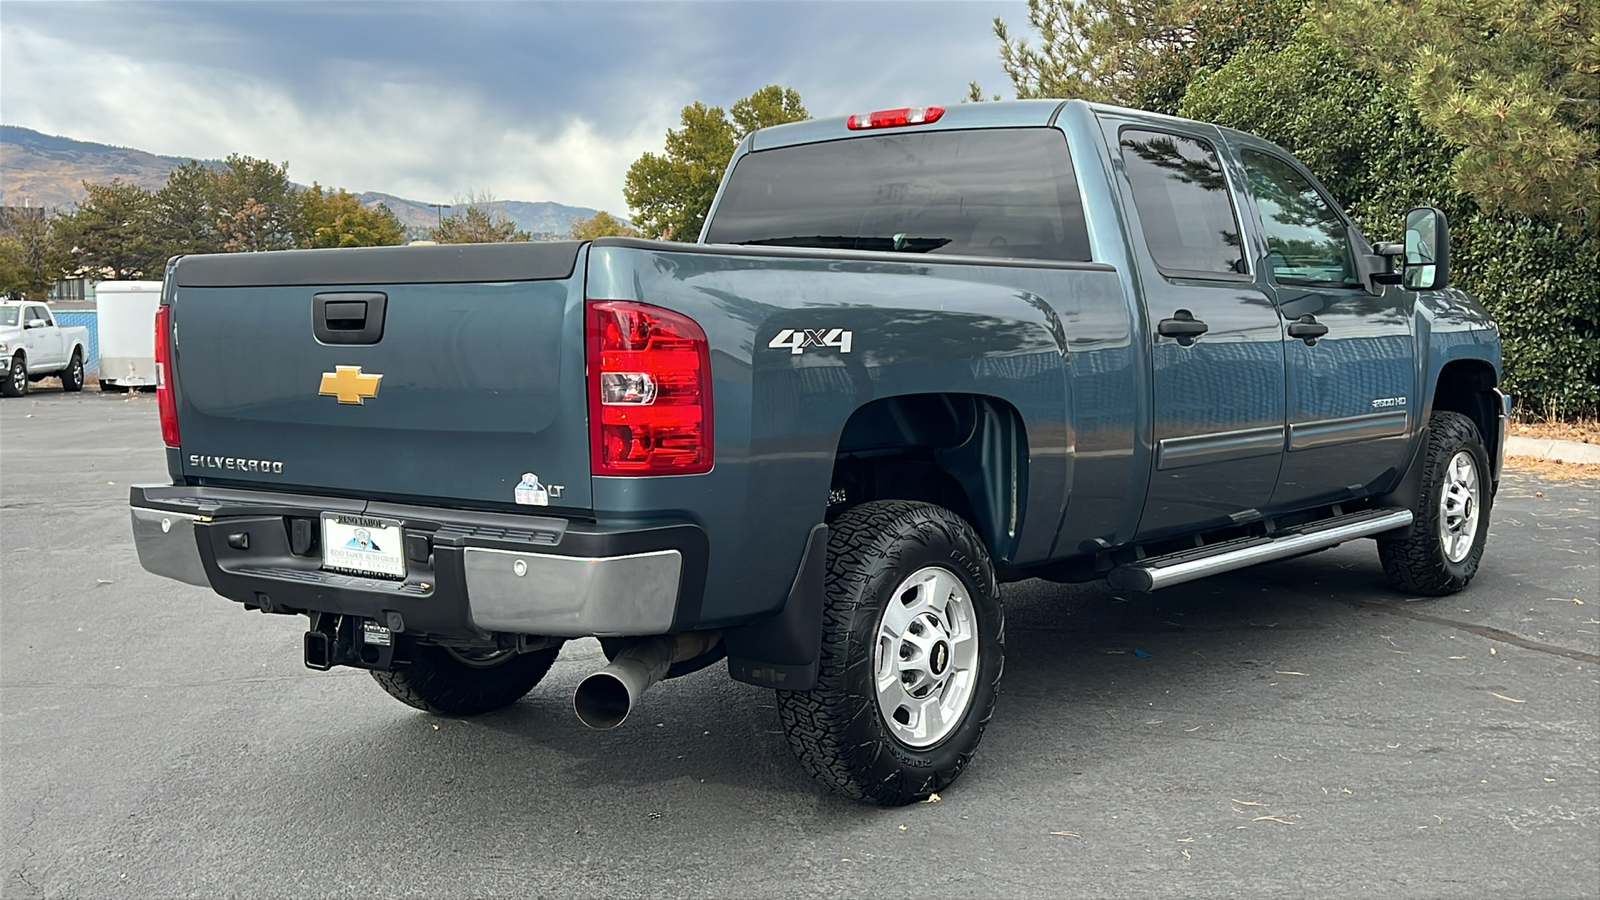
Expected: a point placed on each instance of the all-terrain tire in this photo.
(72, 375)
(447, 683)
(1419, 562)
(15, 383)
(838, 729)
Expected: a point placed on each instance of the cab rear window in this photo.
(996, 192)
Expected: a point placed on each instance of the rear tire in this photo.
(1444, 545)
(912, 650)
(16, 379)
(449, 682)
(72, 375)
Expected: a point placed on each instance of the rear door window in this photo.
(1184, 205)
(996, 192)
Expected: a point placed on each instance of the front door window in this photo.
(1307, 242)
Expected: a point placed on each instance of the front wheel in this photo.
(16, 380)
(1445, 542)
(72, 375)
(912, 650)
(451, 682)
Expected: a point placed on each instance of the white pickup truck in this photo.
(35, 347)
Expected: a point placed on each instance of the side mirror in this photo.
(34, 323)
(1427, 257)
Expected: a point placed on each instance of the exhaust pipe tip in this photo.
(602, 700)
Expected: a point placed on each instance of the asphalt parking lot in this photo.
(1292, 730)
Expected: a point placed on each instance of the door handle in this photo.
(348, 318)
(1307, 329)
(1183, 326)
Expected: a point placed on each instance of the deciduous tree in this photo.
(30, 257)
(336, 218)
(601, 224)
(256, 206)
(669, 194)
(476, 221)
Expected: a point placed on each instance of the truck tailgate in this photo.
(475, 380)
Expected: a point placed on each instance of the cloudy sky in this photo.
(434, 100)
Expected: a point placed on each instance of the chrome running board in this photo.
(1187, 565)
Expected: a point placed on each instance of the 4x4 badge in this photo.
(349, 385)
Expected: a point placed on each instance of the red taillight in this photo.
(889, 118)
(165, 401)
(649, 391)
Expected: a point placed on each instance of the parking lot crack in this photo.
(1493, 634)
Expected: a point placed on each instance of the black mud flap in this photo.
(782, 651)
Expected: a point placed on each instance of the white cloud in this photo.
(419, 141)
(430, 101)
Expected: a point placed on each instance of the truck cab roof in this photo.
(1004, 114)
(967, 116)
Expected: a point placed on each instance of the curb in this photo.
(1561, 451)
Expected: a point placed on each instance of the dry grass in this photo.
(1553, 470)
(1586, 431)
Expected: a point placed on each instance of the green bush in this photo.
(1364, 142)
(1543, 286)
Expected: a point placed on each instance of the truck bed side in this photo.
(1046, 343)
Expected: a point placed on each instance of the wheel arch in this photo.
(1470, 387)
(967, 452)
(1465, 386)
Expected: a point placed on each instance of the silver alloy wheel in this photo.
(19, 375)
(480, 659)
(1458, 506)
(925, 662)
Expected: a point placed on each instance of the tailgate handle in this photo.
(348, 318)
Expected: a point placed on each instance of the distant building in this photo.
(73, 290)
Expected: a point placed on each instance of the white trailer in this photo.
(125, 313)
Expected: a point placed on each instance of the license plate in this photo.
(363, 545)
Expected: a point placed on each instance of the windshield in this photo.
(8, 314)
(997, 192)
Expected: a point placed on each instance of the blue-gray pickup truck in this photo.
(915, 354)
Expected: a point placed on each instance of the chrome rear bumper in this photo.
(469, 576)
(166, 545)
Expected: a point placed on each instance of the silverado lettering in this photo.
(236, 463)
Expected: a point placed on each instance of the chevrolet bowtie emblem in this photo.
(349, 385)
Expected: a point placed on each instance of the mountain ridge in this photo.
(38, 169)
